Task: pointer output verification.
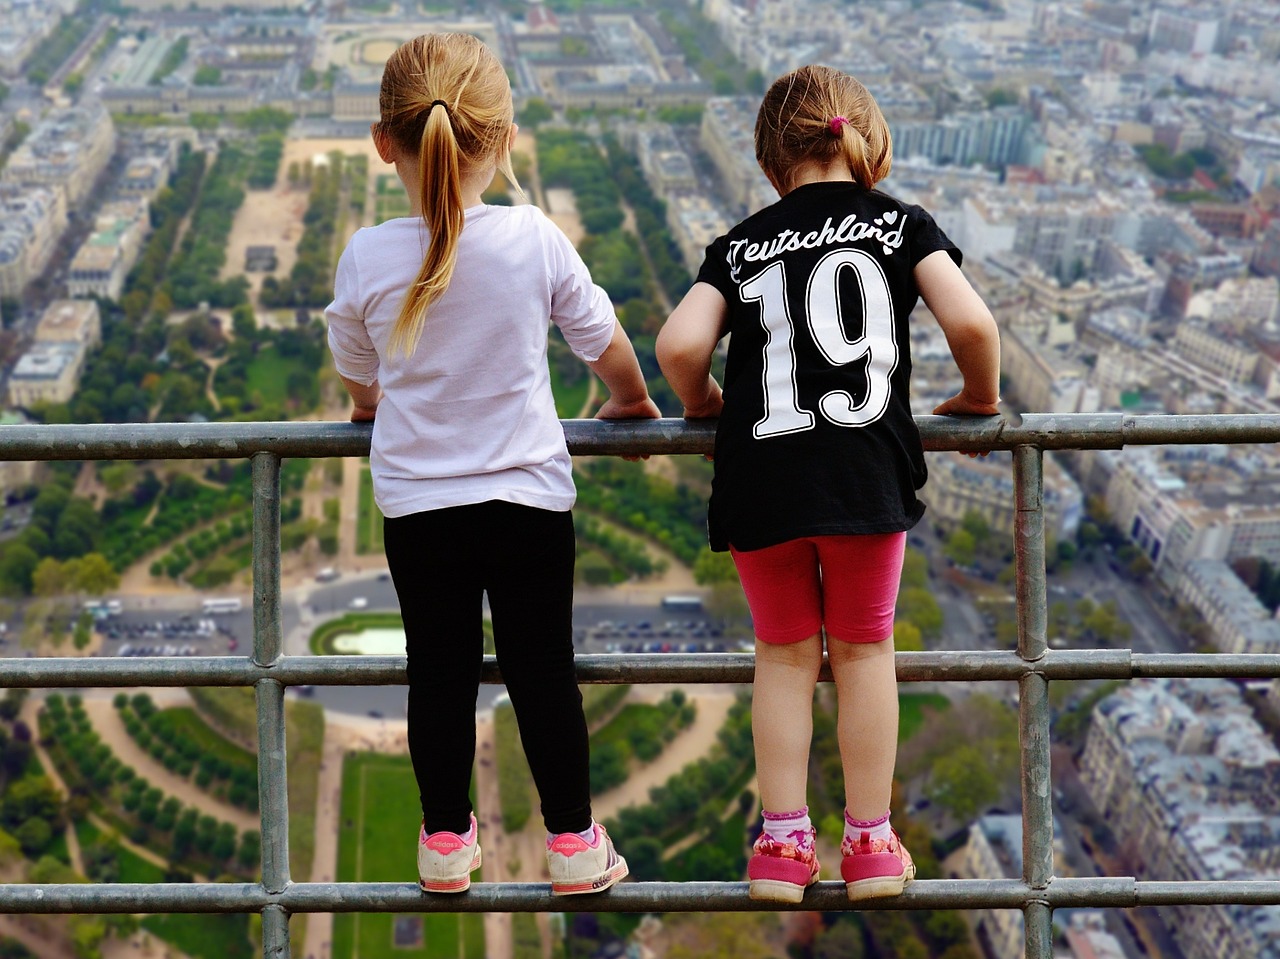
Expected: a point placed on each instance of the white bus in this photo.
(213, 607)
(102, 608)
(690, 604)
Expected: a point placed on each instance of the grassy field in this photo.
(133, 868)
(369, 523)
(380, 818)
(391, 199)
(201, 936)
(268, 375)
(233, 712)
(912, 708)
(569, 399)
(189, 723)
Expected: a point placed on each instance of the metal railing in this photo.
(269, 671)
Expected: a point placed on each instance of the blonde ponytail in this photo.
(446, 99)
(440, 183)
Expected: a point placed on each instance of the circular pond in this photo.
(369, 642)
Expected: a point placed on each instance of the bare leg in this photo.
(867, 692)
(782, 720)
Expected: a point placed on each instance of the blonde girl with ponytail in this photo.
(438, 329)
(817, 456)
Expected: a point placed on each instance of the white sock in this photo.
(790, 827)
(876, 828)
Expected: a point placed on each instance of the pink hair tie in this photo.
(835, 125)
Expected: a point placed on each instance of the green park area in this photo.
(381, 819)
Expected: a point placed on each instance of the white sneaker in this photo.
(445, 862)
(578, 866)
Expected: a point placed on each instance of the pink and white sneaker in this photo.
(578, 866)
(781, 871)
(445, 861)
(875, 867)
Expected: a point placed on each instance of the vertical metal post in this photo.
(1033, 693)
(275, 933)
(1037, 919)
(268, 646)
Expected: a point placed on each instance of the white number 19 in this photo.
(782, 411)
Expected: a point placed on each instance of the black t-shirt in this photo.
(816, 437)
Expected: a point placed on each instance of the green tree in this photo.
(918, 606)
(711, 568)
(907, 637)
(915, 569)
(961, 548)
(536, 112)
(842, 940)
(722, 935)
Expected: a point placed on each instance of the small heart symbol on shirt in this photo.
(891, 216)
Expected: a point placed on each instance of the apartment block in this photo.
(66, 150)
(1190, 785)
(1238, 622)
(32, 221)
(48, 372)
(959, 485)
(109, 253)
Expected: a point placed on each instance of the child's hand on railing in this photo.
(964, 405)
(645, 409)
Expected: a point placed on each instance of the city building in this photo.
(1197, 503)
(32, 220)
(48, 372)
(694, 222)
(1189, 784)
(994, 851)
(959, 485)
(70, 321)
(110, 251)
(68, 150)
(1237, 621)
(727, 135)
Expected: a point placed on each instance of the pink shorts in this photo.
(845, 584)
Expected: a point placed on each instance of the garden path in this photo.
(499, 942)
(28, 713)
(690, 745)
(36, 937)
(106, 721)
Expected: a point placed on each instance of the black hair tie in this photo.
(438, 103)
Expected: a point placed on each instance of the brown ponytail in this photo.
(446, 99)
(819, 114)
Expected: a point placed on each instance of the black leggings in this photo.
(442, 562)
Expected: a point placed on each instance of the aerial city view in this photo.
(179, 181)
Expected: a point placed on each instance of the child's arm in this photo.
(684, 348)
(365, 398)
(620, 371)
(971, 333)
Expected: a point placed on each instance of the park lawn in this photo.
(912, 710)
(235, 711)
(204, 936)
(390, 199)
(369, 523)
(569, 399)
(381, 817)
(268, 375)
(189, 723)
(133, 868)
(619, 728)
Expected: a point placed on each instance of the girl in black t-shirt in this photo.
(817, 458)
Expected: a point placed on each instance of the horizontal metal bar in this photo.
(305, 897)
(609, 668)
(136, 441)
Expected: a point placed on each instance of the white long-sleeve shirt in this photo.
(470, 416)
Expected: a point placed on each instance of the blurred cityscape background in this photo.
(177, 180)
